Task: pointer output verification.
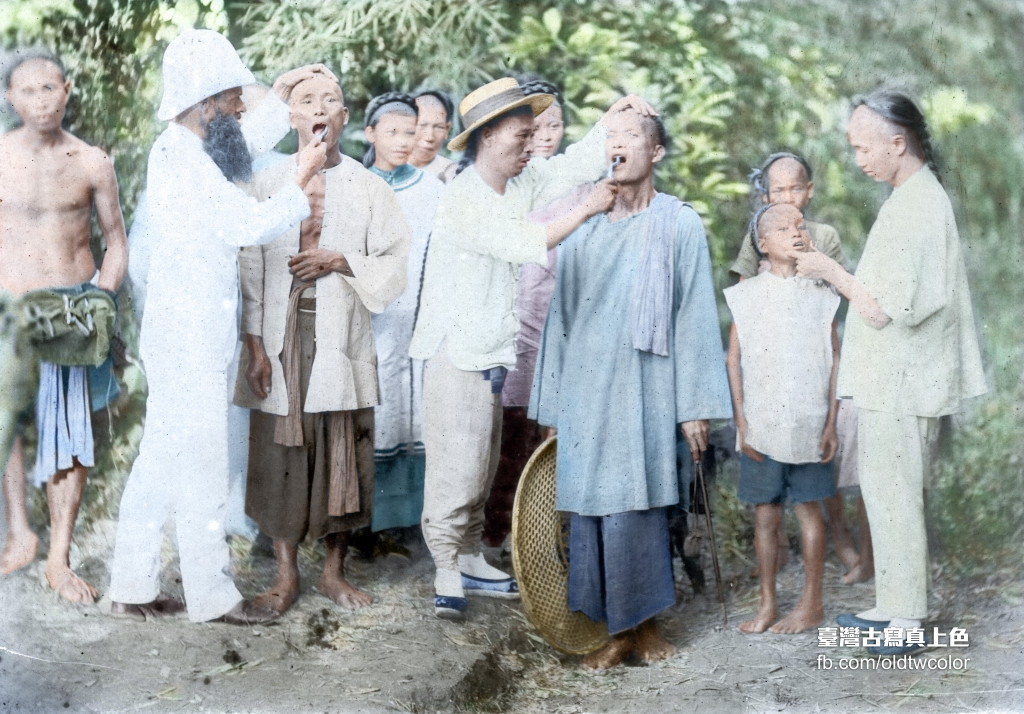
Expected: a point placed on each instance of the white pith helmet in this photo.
(197, 65)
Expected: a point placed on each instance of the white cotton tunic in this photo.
(398, 419)
(480, 240)
(196, 221)
(926, 361)
(785, 333)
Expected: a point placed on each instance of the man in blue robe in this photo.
(631, 348)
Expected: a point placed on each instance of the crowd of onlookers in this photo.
(405, 331)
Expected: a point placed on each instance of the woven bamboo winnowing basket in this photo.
(540, 558)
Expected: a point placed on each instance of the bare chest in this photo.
(34, 187)
(309, 232)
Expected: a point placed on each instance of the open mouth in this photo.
(609, 173)
(320, 130)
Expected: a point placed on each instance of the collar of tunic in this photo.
(401, 177)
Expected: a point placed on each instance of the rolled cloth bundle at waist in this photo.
(66, 326)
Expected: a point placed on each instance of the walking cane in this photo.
(702, 489)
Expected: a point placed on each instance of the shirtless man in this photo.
(306, 304)
(49, 183)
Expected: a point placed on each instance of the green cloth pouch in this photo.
(68, 328)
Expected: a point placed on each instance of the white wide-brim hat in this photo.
(491, 100)
(199, 64)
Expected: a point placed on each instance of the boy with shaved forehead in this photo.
(49, 183)
(632, 330)
(311, 372)
(783, 357)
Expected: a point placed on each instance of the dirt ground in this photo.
(396, 656)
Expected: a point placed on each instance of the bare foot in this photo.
(71, 587)
(163, 606)
(764, 618)
(859, 573)
(798, 620)
(343, 593)
(847, 554)
(650, 645)
(19, 551)
(612, 654)
(279, 597)
(247, 613)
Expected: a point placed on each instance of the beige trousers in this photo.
(462, 438)
(894, 453)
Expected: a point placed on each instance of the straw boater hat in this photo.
(491, 100)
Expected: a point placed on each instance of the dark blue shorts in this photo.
(772, 481)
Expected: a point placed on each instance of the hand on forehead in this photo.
(630, 120)
(315, 84)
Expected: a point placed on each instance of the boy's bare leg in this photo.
(783, 546)
(650, 645)
(333, 583)
(64, 495)
(808, 611)
(285, 589)
(840, 531)
(767, 517)
(865, 568)
(21, 544)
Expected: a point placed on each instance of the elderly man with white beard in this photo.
(189, 329)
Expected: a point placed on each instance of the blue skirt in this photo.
(398, 496)
(620, 567)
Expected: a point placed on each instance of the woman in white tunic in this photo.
(390, 128)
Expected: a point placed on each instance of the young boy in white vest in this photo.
(782, 364)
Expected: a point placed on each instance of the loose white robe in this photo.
(197, 219)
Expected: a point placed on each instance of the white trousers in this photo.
(236, 522)
(462, 438)
(181, 472)
(894, 453)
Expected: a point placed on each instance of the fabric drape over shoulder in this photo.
(362, 220)
(616, 408)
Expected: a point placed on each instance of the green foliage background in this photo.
(734, 80)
